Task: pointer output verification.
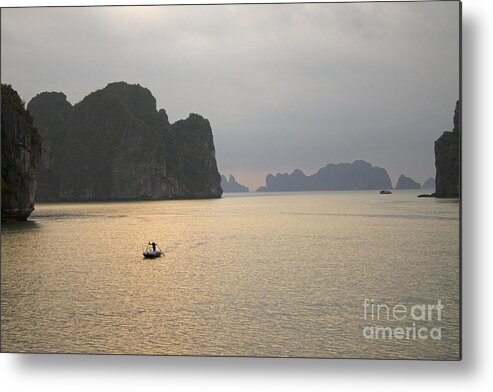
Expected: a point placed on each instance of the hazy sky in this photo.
(284, 86)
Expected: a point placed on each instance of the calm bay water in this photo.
(249, 274)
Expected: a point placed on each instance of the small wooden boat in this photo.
(385, 192)
(152, 251)
(152, 254)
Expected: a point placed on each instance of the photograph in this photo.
(269, 180)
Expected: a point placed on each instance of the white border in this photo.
(87, 373)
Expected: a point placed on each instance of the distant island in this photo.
(21, 151)
(447, 159)
(115, 145)
(407, 183)
(359, 175)
(429, 183)
(230, 185)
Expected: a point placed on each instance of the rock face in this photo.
(21, 149)
(52, 113)
(447, 159)
(429, 183)
(407, 183)
(231, 185)
(359, 175)
(114, 145)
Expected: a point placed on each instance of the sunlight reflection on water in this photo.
(250, 274)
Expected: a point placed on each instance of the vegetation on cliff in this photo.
(114, 145)
(447, 159)
(21, 146)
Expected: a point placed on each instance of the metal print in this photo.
(270, 180)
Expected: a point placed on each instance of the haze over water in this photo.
(249, 274)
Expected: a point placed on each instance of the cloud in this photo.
(284, 86)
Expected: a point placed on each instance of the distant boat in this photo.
(152, 251)
(385, 192)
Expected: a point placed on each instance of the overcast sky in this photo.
(284, 86)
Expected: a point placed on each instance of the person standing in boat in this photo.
(153, 246)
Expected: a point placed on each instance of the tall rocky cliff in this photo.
(447, 159)
(115, 145)
(358, 175)
(21, 149)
